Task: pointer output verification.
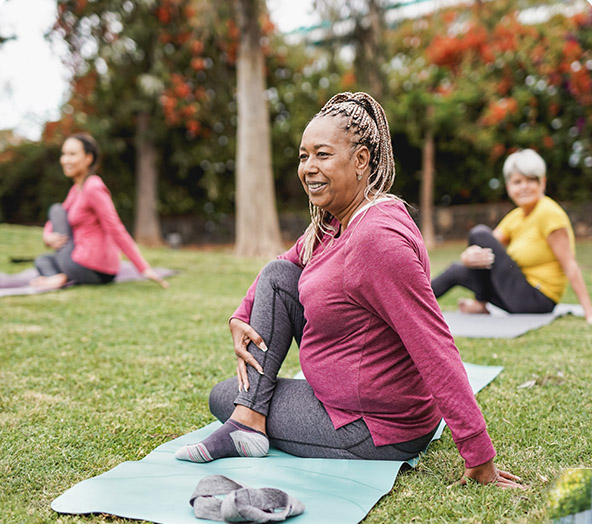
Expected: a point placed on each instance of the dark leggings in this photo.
(297, 422)
(61, 261)
(504, 285)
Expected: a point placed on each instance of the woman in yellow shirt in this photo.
(524, 264)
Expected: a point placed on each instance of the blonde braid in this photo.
(366, 120)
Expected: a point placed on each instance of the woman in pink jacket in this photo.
(85, 230)
(380, 363)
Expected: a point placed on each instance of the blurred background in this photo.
(464, 83)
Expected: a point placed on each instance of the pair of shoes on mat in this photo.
(241, 503)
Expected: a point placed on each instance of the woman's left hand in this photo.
(489, 474)
(152, 275)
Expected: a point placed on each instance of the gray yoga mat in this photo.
(18, 283)
(501, 324)
(158, 487)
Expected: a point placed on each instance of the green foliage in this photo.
(571, 494)
(494, 83)
(32, 172)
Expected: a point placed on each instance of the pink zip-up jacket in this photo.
(98, 232)
(375, 344)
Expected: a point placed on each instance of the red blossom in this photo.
(348, 80)
(197, 47)
(189, 11)
(571, 50)
(198, 64)
(267, 26)
(163, 14)
(504, 85)
(497, 151)
(80, 5)
(548, 142)
(182, 90)
(498, 110)
(193, 126)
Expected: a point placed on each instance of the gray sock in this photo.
(233, 439)
(205, 500)
(241, 503)
(259, 505)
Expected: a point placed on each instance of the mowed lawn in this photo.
(93, 376)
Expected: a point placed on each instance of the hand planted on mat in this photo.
(242, 335)
(489, 474)
(477, 257)
(152, 275)
(55, 240)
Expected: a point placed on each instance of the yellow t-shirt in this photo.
(530, 249)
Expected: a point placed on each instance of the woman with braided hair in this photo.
(354, 292)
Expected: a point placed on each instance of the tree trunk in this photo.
(370, 53)
(147, 224)
(426, 206)
(257, 224)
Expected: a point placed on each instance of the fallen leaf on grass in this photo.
(554, 380)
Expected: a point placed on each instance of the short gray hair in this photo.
(527, 162)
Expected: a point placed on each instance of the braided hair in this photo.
(365, 119)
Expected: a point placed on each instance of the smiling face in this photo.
(525, 191)
(74, 160)
(329, 168)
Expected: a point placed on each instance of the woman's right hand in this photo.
(489, 474)
(242, 335)
(477, 257)
(54, 240)
(155, 277)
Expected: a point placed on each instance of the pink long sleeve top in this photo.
(375, 344)
(98, 232)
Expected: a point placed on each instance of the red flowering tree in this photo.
(137, 65)
(486, 80)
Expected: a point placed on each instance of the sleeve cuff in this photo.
(476, 450)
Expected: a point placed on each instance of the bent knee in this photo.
(279, 269)
(56, 209)
(480, 234)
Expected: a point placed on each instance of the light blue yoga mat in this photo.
(157, 488)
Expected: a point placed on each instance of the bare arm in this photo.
(559, 243)
(500, 237)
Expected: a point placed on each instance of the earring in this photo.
(359, 177)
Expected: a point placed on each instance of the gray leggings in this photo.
(297, 422)
(61, 261)
(504, 285)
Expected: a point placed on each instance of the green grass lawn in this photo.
(93, 376)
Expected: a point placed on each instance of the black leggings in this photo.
(61, 261)
(504, 285)
(297, 421)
